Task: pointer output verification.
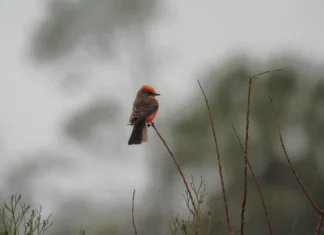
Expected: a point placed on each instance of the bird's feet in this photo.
(150, 124)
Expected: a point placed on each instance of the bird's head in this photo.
(147, 90)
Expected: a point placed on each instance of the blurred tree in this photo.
(299, 107)
(74, 39)
(76, 36)
(85, 126)
(79, 213)
(91, 26)
(109, 29)
(23, 176)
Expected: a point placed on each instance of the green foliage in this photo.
(194, 225)
(16, 217)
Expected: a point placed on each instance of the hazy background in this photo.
(69, 74)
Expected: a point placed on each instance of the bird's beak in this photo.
(156, 94)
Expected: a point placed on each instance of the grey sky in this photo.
(198, 33)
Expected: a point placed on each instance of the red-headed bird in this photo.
(145, 108)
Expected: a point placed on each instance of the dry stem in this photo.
(251, 79)
(133, 217)
(311, 201)
(288, 159)
(219, 160)
(256, 182)
(179, 168)
(320, 222)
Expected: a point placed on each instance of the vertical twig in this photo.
(251, 79)
(288, 159)
(245, 155)
(179, 168)
(133, 217)
(320, 222)
(218, 159)
(256, 181)
(311, 201)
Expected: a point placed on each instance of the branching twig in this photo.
(245, 155)
(320, 222)
(219, 161)
(268, 71)
(256, 181)
(289, 162)
(251, 79)
(133, 217)
(179, 168)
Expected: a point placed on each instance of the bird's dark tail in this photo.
(139, 133)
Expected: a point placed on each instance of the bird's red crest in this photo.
(148, 88)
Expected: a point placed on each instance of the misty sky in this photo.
(196, 33)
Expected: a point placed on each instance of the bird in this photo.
(145, 108)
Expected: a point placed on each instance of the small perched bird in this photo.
(145, 108)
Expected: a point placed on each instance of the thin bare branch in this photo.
(254, 77)
(256, 181)
(320, 222)
(219, 160)
(245, 155)
(178, 166)
(288, 159)
(133, 217)
(251, 79)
